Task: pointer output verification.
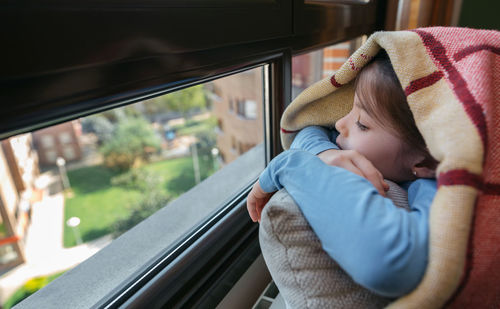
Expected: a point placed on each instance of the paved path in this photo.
(44, 252)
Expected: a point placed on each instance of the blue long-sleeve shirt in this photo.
(382, 247)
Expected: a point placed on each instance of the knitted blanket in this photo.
(451, 79)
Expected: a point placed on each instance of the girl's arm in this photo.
(315, 139)
(382, 247)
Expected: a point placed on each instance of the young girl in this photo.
(382, 247)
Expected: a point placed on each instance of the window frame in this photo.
(229, 238)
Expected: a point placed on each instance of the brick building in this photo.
(18, 170)
(62, 140)
(238, 107)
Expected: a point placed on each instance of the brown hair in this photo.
(382, 97)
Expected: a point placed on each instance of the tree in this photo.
(183, 101)
(152, 199)
(132, 142)
(145, 207)
(100, 126)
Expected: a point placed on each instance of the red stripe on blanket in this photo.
(460, 87)
(463, 177)
(353, 67)
(288, 132)
(366, 56)
(423, 82)
(334, 82)
(491, 188)
(473, 49)
(460, 177)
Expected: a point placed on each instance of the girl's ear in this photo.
(425, 168)
(424, 172)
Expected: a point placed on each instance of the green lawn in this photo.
(99, 205)
(95, 202)
(193, 126)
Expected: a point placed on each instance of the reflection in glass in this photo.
(316, 65)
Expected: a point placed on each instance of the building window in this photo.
(69, 153)
(240, 108)
(7, 254)
(220, 125)
(47, 141)
(250, 109)
(65, 138)
(247, 109)
(51, 156)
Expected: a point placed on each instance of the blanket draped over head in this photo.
(451, 77)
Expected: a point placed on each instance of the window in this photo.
(122, 73)
(313, 66)
(250, 109)
(140, 160)
(7, 254)
(47, 141)
(51, 156)
(65, 138)
(220, 126)
(69, 153)
(247, 109)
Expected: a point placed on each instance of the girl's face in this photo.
(360, 132)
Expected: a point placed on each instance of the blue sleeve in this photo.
(382, 247)
(315, 139)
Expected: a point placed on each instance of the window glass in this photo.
(107, 172)
(313, 66)
(7, 254)
(65, 137)
(47, 141)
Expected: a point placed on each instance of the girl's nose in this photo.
(340, 126)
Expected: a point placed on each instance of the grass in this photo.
(95, 202)
(99, 205)
(193, 126)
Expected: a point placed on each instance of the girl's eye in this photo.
(361, 126)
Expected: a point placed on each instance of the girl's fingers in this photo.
(251, 207)
(256, 200)
(350, 166)
(371, 173)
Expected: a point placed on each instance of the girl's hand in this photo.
(256, 201)
(355, 162)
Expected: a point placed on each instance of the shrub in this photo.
(153, 197)
(30, 287)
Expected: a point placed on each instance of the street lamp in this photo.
(215, 154)
(61, 164)
(73, 223)
(196, 163)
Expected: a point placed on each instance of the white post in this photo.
(196, 164)
(62, 170)
(215, 157)
(73, 223)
